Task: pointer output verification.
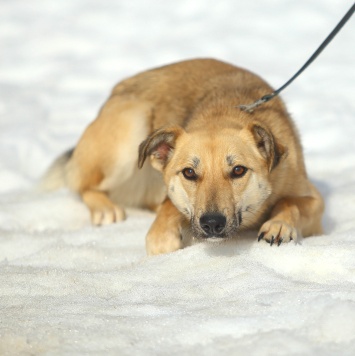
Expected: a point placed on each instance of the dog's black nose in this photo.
(213, 224)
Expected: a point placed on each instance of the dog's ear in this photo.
(267, 146)
(159, 146)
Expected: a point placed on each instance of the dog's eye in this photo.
(189, 174)
(238, 171)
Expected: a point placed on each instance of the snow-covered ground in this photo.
(69, 288)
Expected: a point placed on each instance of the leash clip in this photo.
(250, 107)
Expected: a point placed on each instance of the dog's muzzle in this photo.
(213, 225)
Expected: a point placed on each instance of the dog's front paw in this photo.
(277, 231)
(162, 243)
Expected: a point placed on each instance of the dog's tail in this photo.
(55, 177)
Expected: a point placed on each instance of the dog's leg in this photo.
(164, 235)
(105, 158)
(292, 216)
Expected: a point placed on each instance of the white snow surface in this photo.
(67, 288)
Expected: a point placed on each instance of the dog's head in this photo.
(218, 180)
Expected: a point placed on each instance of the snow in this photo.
(69, 288)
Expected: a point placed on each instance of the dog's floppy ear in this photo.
(267, 146)
(160, 146)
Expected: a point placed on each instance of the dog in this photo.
(173, 140)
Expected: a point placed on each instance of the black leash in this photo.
(268, 97)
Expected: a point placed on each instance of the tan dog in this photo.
(224, 170)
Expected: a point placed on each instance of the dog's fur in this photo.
(223, 170)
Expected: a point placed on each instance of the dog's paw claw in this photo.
(260, 237)
(272, 240)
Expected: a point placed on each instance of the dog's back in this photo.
(177, 89)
